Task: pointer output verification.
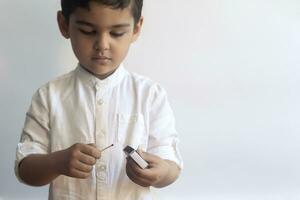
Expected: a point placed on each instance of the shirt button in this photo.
(134, 119)
(100, 101)
(100, 143)
(97, 86)
(100, 135)
(102, 168)
(102, 132)
(101, 175)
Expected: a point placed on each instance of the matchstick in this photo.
(106, 147)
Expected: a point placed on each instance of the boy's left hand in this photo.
(153, 175)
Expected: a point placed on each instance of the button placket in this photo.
(101, 140)
(101, 172)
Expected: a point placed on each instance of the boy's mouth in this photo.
(101, 58)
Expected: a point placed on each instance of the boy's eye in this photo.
(116, 34)
(87, 32)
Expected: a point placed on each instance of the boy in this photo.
(99, 103)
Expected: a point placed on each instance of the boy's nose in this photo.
(101, 43)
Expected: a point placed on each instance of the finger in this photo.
(86, 159)
(151, 173)
(150, 158)
(134, 166)
(144, 173)
(92, 144)
(136, 178)
(79, 174)
(91, 150)
(83, 167)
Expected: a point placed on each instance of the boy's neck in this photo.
(99, 76)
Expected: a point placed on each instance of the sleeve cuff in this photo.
(25, 149)
(169, 153)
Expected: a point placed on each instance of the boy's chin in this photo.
(101, 70)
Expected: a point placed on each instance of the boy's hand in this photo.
(153, 175)
(77, 161)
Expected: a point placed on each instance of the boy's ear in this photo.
(63, 25)
(137, 29)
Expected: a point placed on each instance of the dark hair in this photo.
(69, 6)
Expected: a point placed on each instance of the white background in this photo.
(231, 69)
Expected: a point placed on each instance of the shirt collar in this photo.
(92, 80)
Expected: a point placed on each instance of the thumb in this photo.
(150, 158)
(97, 153)
(92, 144)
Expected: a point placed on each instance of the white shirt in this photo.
(123, 109)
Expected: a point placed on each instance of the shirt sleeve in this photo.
(34, 138)
(163, 137)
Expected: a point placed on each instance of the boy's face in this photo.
(100, 36)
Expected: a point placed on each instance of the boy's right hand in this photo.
(77, 161)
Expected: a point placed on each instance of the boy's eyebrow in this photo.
(120, 25)
(92, 25)
(84, 23)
